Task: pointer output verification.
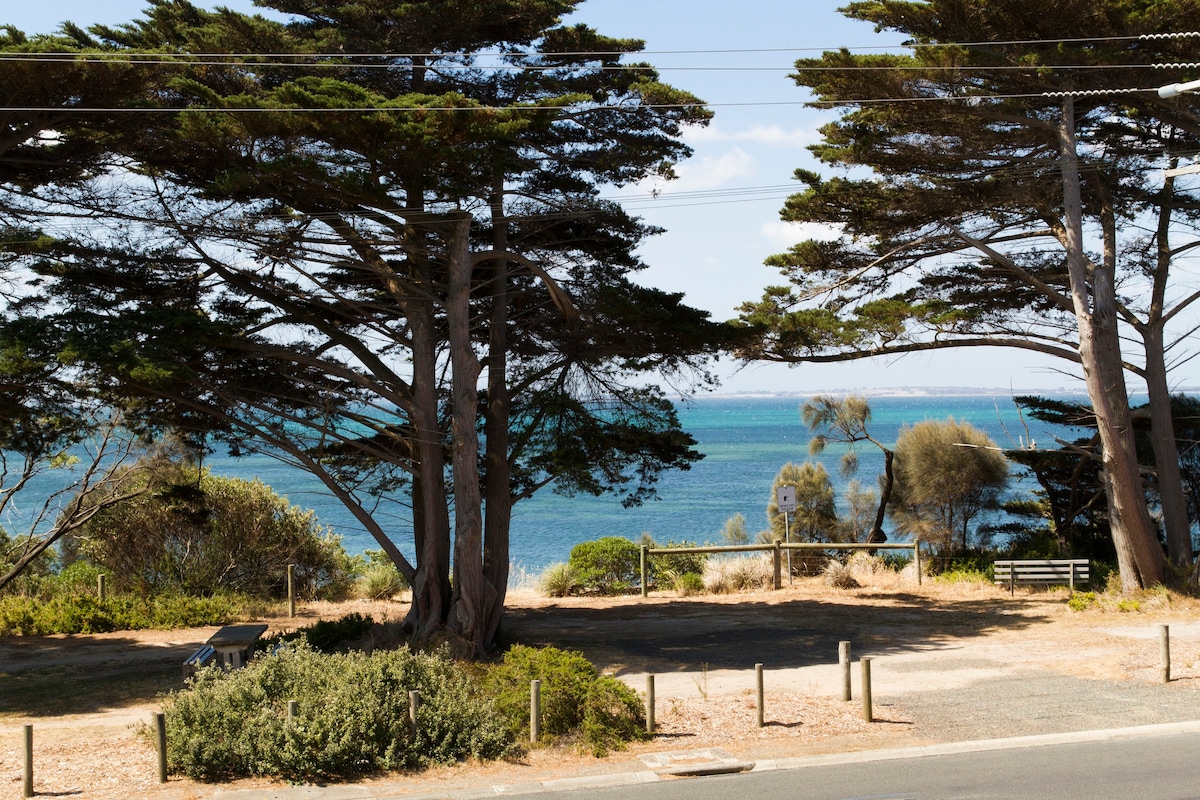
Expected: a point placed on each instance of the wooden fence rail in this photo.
(776, 549)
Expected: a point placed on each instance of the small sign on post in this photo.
(785, 498)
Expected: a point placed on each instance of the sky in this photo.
(722, 215)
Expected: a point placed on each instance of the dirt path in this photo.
(948, 663)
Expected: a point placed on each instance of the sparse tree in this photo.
(947, 473)
(844, 419)
(734, 530)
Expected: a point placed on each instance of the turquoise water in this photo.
(745, 441)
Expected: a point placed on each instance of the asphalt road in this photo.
(1142, 768)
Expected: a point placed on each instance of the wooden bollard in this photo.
(778, 584)
(27, 790)
(160, 730)
(535, 710)
(868, 716)
(414, 703)
(291, 589)
(844, 660)
(650, 703)
(758, 679)
(645, 577)
(102, 587)
(293, 711)
(1164, 651)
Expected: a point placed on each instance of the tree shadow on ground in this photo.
(85, 674)
(680, 635)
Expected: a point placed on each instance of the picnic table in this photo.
(234, 644)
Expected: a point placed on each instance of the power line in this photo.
(729, 51)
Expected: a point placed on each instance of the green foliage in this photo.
(610, 565)
(815, 517)
(353, 717)
(560, 580)
(11, 549)
(1081, 601)
(196, 533)
(947, 473)
(326, 636)
(666, 569)
(963, 575)
(689, 583)
(82, 613)
(734, 530)
(576, 700)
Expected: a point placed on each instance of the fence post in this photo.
(645, 587)
(844, 660)
(102, 587)
(293, 711)
(28, 782)
(650, 703)
(160, 730)
(917, 559)
(778, 567)
(1164, 651)
(866, 690)
(414, 702)
(758, 678)
(535, 710)
(291, 590)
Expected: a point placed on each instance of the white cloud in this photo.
(768, 135)
(708, 172)
(782, 235)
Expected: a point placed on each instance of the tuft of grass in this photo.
(560, 580)
(840, 576)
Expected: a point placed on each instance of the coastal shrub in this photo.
(326, 635)
(664, 569)
(560, 580)
(84, 613)
(610, 565)
(192, 532)
(353, 717)
(576, 701)
(689, 583)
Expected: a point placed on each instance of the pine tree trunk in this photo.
(497, 521)
(467, 608)
(431, 519)
(1138, 554)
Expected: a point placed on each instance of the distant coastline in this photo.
(921, 391)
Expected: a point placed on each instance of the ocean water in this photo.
(745, 441)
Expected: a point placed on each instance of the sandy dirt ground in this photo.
(946, 662)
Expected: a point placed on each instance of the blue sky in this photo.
(715, 244)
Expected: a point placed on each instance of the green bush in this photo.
(576, 700)
(353, 717)
(195, 533)
(666, 569)
(611, 565)
(326, 636)
(689, 583)
(83, 613)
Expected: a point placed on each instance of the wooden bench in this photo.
(203, 656)
(1042, 572)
